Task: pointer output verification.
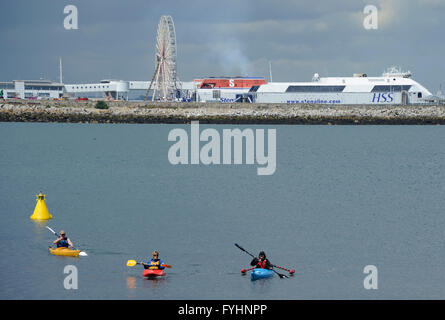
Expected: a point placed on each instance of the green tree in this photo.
(101, 105)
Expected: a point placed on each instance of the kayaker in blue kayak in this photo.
(154, 263)
(63, 241)
(261, 261)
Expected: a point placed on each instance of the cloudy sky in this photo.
(116, 39)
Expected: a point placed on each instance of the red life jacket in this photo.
(261, 264)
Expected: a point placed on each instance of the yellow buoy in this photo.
(41, 211)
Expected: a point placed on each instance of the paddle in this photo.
(243, 271)
(291, 271)
(81, 253)
(242, 249)
(280, 274)
(132, 263)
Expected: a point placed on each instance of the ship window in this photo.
(315, 88)
(419, 95)
(395, 88)
(254, 89)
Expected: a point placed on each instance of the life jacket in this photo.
(63, 243)
(262, 264)
(154, 264)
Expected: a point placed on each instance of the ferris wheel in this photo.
(165, 79)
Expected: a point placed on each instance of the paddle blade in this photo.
(131, 263)
(167, 266)
(55, 233)
(280, 274)
(239, 247)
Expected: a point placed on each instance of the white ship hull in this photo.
(330, 98)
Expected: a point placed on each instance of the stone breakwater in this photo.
(217, 113)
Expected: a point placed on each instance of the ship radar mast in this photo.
(316, 77)
(396, 72)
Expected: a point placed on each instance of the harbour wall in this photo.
(219, 113)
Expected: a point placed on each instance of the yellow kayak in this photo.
(62, 251)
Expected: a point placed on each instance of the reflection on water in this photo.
(40, 232)
(131, 282)
(153, 283)
(40, 224)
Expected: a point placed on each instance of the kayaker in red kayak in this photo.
(261, 261)
(63, 241)
(155, 263)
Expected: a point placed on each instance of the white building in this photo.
(118, 89)
(31, 89)
(114, 89)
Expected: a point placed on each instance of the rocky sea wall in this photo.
(218, 113)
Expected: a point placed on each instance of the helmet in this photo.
(262, 253)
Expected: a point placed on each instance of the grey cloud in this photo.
(117, 38)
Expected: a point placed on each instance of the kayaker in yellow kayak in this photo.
(155, 263)
(63, 241)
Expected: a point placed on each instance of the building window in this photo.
(216, 94)
(6, 86)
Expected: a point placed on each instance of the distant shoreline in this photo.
(219, 113)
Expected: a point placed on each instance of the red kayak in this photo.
(153, 273)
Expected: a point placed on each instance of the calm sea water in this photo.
(342, 197)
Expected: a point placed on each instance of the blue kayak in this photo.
(259, 273)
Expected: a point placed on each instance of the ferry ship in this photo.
(393, 87)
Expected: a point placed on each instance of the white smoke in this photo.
(229, 56)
